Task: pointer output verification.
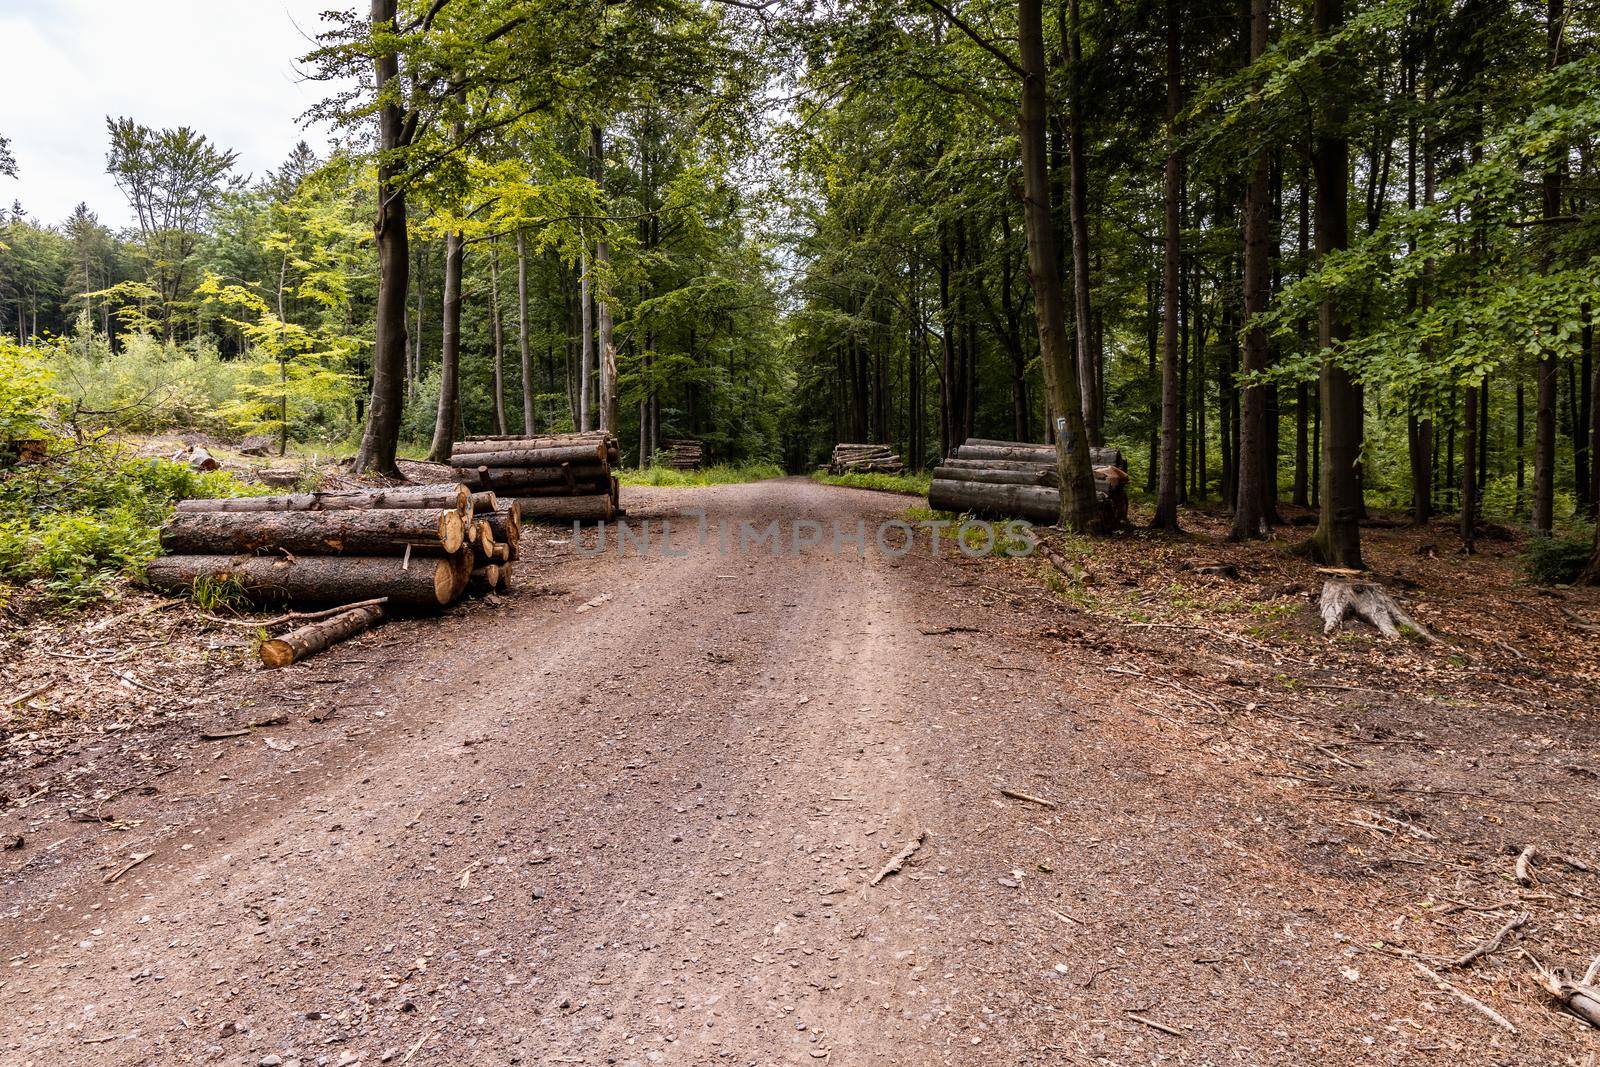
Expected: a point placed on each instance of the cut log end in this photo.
(307, 641)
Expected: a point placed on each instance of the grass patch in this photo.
(909, 484)
(722, 474)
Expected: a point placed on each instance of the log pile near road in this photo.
(554, 478)
(1012, 478)
(683, 453)
(864, 459)
(372, 550)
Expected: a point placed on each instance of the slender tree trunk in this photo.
(605, 347)
(1166, 515)
(1469, 468)
(498, 331)
(1250, 513)
(1094, 420)
(523, 348)
(585, 346)
(1338, 537)
(1544, 416)
(1061, 372)
(381, 436)
(444, 423)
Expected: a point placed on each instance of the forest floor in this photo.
(635, 813)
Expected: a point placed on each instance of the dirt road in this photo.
(632, 817)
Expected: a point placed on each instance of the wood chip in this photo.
(900, 858)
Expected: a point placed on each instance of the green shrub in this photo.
(1559, 560)
(27, 394)
(722, 474)
(146, 386)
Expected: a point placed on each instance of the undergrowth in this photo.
(909, 484)
(1559, 560)
(722, 474)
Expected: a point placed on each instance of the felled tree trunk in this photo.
(368, 532)
(564, 477)
(453, 497)
(533, 457)
(593, 508)
(1366, 601)
(418, 583)
(307, 641)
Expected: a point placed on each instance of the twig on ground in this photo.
(900, 858)
(1152, 1024)
(254, 724)
(1466, 998)
(1494, 943)
(1026, 798)
(134, 861)
(1522, 868)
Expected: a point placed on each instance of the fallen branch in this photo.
(1152, 1024)
(1494, 943)
(1578, 622)
(1026, 798)
(293, 616)
(900, 858)
(29, 695)
(950, 630)
(137, 858)
(1581, 998)
(1522, 869)
(255, 724)
(1466, 998)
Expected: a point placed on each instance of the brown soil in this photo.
(632, 814)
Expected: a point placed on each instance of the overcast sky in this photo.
(224, 67)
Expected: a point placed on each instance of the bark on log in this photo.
(454, 497)
(473, 446)
(1010, 450)
(512, 481)
(297, 645)
(579, 487)
(1010, 465)
(1038, 476)
(595, 507)
(532, 457)
(425, 583)
(1038, 503)
(377, 532)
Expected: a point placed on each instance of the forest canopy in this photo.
(1335, 256)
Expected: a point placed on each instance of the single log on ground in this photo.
(1369, 602)
(424, 583)
(1038, 503)
(533, 457)
(297, 645)
(454, 497)
(996, 477)
(375, 532)
(595, 507)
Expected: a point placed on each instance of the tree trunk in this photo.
(597, 507)
(1166, 514)
(523, 348)
(605, 348)
(1544, 417)
(1469, 467)
(1338, 538)
(1077, 184)
(498, 332)
(444, 423)
(366, 532)
(1250, 503)
(421, 583)
(307, 641)
(381, 436)
(532, 457)
(452, 497)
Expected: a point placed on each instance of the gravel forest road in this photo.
(632, 816)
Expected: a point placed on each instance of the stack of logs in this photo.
(864, 459)
(683, 453)
(370, 550)
(556, 478)
(1016, 479)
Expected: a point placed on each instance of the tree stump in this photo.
(1366, 601)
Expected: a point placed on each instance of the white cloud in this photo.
(225, 67)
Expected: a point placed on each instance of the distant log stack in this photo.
(416, 548)
(864, 459)
(683, 453)
(553, 478)
(1011, 478)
